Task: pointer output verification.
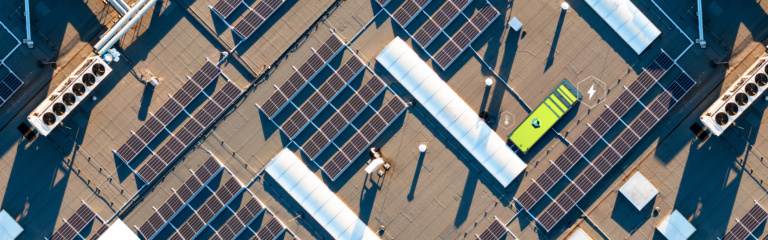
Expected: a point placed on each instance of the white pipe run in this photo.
(111, 32)
(127, 27)
(118, 7)
(124, 5)
(28, 40)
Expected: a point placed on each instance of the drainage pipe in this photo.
(127, 27)
(111, 32)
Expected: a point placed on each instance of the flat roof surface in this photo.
(441, 193)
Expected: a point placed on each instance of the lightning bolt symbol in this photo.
(591, 91)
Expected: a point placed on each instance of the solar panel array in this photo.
(242, 218)
(192, 129)
(98, 233)
(358, 143)
(299, 79)
(226, 7)
(327, 91)
(591, 135)
(744, 227)
(438, 21)
(270, 231)
(494, 232)
(617, 149)
(8, 87)
(342, 117)
(468, 33)
(256, 16)
(172, 108)
(74, 224)
(209, 210)
(382, 2)
(180, 197)
(406, 12)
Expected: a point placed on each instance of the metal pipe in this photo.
(28, 40)
(124, 5)
(117, 7)
(701, 40)
(128, 26)
(111, 32)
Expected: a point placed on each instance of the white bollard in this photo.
(488, 82)
(565, 6)
(422, 148)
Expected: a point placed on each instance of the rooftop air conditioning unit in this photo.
(737, 98)
(68, 95)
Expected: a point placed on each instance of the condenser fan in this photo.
(98, 69)
(49, 118)
(751, 89)
(731, 109)
(721, 118)
(78, 89)
(68, 99)
(89, 79)
(761, 79)
(59, 109)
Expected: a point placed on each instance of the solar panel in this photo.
(494, 231)
(75, 223)
(331, 87)
(99, 232)
(8, 87)
(247, 26)
(664, 61)
(330, 47)
(426, 33)
(225, 7)
(270, 230)
(402, 15)
(655, 70)
(645, 79)
(610, 157)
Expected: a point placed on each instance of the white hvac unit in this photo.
(68, 95)
(737, 98)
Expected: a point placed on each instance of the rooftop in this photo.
(443, 192)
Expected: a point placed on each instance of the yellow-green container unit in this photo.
(554, 107)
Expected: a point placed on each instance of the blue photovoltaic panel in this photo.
(226, 7)
(270, 230)
(8, 87)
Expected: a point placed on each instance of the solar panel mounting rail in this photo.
(302, 76)
(342, 118)
(617, 149)
(180, 198)
(589, 137)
